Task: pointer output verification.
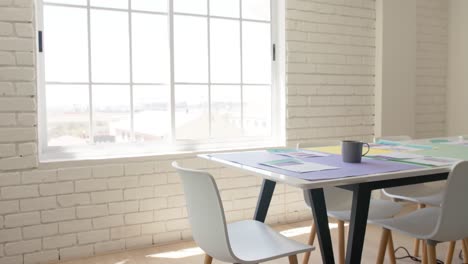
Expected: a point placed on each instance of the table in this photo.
(361, 186)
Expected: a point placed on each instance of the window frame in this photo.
(170, 145)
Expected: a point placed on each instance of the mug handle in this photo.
(368, 149)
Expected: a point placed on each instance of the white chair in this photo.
(246, 241)
(435, 224)
(339, 201)
(423, 194)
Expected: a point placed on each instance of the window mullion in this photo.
(90, 79)
(210, 133)
(130, 46)
(171, 57)
(241, 71)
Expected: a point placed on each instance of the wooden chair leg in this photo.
(432, 253)
(383, 245)
(341, 242)
(416, 247)
(208, 259)
(451, 249)
(424, 252)
(293, 259)
(465, 250)
(313, 233)
(391, 249)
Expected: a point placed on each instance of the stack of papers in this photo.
(303, 154)
(297, 165)
(415, 158)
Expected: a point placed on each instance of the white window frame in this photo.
(93, 151)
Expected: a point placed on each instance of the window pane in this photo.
(152, 118)
(67, 115)
(109, 46)
(190, 6)
(190, 49)
(150, 48)
(224, 8)
(256, 42)
(226, 111)
(122, 4)
(66, 44)
(68, 2)
(257, 110)
(225, 51)
(111, 113)
(150, 5)
(256, 9)
(191, 111)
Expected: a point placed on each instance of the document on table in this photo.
(303, 154)
(433, 161)
(397, 156)
(297, 165)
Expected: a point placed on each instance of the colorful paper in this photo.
(297, 165)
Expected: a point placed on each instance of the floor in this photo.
(187, 252)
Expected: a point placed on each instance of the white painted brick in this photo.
(123, 207)
(108, 221)
(110, 246)
(27, 119)
(139, 193)
(42, 257)
(108, 171)
(8, 235)
(24, 29)
(178, 224)
(12, 260)
(6, 88)
(153, 204)
(59, 241)
(7, 58)
(75, 226)
(70, 174)
(91, 211)
(122, 182)
(1, 226)
(16, 14)
(93, 236)
(125, 231)
(15, 163)
(38, 176)
(106, 196)
(139, 242)
(90, 185)
(76, 252)
(73, 199)
(27, 149)
(21, 247)
(15, 192)
(9, 207)
(10, 178)
(7, 119)
(25, 88)
(164, 238)
(38, 231)
(139, 218)
(41, 203)
(57, 188)
(139, 168)
(6, 29)
(153, 228)
(168, 214)
(7, 150)
(58, 215)
(153, 179)
(168, 190)
(16, 73)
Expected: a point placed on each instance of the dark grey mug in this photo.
(352, 150)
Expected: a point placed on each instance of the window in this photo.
(167, 72)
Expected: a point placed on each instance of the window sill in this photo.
(134, 153)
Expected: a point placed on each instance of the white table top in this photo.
(305, 184)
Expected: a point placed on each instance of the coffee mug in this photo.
(352, 151)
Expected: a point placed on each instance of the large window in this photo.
(174, 72)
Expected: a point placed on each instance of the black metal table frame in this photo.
(359, 211)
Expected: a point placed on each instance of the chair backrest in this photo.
(453, 221)
(393, 138)
(206, 213)
(335, 198)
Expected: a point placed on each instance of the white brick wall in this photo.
(431, 67)
(330, 69)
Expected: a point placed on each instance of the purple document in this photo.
(366, 167)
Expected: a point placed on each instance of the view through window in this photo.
(150, 70)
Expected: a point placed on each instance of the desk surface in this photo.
(437, 147)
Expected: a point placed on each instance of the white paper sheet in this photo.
(397, 156)
(304, 154)
(297, 166)
(434, 161)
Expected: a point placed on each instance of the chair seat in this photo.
(254, 242)
(419, 224)
(419, 193)
(378, 209)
